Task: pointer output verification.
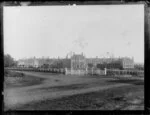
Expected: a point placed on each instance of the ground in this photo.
(47, 91)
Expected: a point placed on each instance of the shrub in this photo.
(8, 73)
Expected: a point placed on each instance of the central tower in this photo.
(78, 62)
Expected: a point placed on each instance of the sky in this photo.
(95, 30)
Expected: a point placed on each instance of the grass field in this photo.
(46, 91)
(18, 79)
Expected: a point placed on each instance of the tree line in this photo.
(9, 61)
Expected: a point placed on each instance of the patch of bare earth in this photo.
(121, 98)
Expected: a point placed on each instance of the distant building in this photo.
(95, 61)
(120, 63)
(139, 66)
(31, 62)
(78, 62)
(21, 62)
(66, 63)
(127, 63)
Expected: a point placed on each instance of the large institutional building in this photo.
(78, 62)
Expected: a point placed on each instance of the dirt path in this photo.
(24, 95)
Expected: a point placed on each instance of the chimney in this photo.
(67, 56)
(82, 53)
(73, 53)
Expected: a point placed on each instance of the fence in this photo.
(74, 72)
(66, 71)
(96, 72)
(51, 70)
(85, 72)
(125, 72)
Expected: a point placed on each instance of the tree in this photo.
(9, 61)
(45, 65)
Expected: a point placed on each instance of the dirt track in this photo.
(56, 86)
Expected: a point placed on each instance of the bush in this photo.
(9, 61)
(16, 74)
(8, 73)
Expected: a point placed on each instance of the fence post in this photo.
(79, 71)
(86, 70)
(65, 70)
(92, 70)
(105, 71)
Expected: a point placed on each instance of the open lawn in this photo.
(18, 79)
(65, 92)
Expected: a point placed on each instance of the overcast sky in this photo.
(53, 31)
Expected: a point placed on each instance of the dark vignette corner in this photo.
(147, 56)
(146, 39)
(1, 54)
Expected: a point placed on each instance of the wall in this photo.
(84, 72)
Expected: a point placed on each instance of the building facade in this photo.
(32, 62)
(79, 62)
(127, 63)
(120, 63)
